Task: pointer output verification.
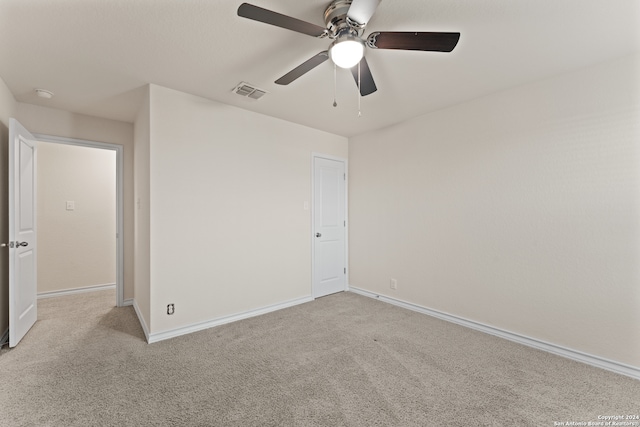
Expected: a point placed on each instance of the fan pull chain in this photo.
(359, 91)
(335, 104)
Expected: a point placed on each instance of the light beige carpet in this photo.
(342, 360)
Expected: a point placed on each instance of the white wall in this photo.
(8, 104)
(8, 107)
(142, 237)
(520, 210)
(227, 188)
(76, 248)
(50, 121)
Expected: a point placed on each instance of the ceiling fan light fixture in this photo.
(345, 22)
(346, 52)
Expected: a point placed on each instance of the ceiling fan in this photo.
(345, 22)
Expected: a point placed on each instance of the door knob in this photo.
(318, 235)
(22, 244)
(8, 245)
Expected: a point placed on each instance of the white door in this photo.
(22, 232)
(329, 227)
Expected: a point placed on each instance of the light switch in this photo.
(71, 205)
(305, 206)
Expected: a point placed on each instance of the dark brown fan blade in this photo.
(367, 85)
(361, 11)
(303, 68)
(256, 13)
(435, 42)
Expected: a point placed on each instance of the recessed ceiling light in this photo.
(43, 93)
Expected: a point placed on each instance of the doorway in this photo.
(82, 236)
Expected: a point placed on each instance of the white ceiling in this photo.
(95, 55)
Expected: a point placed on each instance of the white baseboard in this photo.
(5, 338)
(145, 329)
(127, 302)
(599, 362)
(65, 292)
(172, 333)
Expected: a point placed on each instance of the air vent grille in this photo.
(257, 94)
(245, 89)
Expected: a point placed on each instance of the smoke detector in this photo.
(43, 93)
(249, 91)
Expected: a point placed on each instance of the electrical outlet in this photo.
(393, 284)
(170, 309)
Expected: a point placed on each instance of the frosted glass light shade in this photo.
(346, 53)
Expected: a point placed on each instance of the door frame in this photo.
(119, 199)
(315, 155)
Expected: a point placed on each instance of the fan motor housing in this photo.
(335, 16)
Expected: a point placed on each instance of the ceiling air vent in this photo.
(245, 89)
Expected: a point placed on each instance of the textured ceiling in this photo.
(95, 55)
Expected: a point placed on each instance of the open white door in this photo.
(329, 227)
(22, 232)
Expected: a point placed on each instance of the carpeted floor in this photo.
(342, 360)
